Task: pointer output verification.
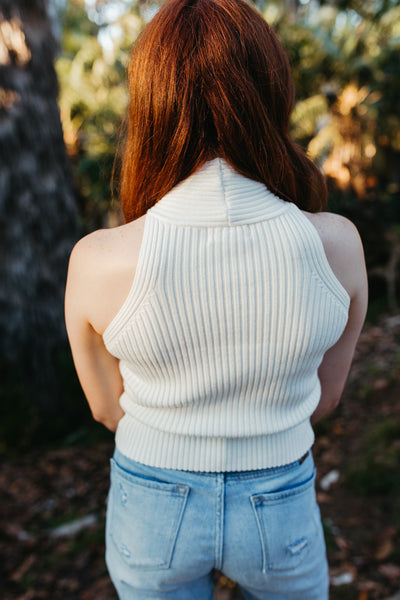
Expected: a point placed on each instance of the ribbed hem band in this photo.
(192, 453)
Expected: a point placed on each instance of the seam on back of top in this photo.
(227, 212)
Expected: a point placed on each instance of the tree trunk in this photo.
(38, 217)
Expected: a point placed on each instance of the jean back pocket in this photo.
(144, 518)
(287, 524)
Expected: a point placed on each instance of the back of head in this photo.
(209, 78)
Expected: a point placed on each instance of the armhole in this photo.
(322, 266)
(136, 294)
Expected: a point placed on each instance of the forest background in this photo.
(62, 102)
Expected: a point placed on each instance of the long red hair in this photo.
(209, 78)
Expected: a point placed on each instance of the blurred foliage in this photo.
(23, 423)
(346, 68)
(345, 57)
(18, 419)
(93, 100)
(375, 469)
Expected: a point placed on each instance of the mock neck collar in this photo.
(216, 194)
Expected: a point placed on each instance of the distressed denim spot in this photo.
(298, 546)
(124, 495)
(125, 550)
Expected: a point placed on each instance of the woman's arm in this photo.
(346, 256)
(336, 363)
(97, 369)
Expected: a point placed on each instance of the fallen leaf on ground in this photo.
(384, 550)
(389, 570)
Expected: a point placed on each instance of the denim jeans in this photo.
(167, 530)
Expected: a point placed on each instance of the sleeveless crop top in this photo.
(231, 310)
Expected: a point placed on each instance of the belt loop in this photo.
(303, 458)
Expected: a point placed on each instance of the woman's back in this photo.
(221, 335)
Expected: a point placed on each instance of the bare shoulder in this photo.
(108, 244)
(343, 248)
(334, 229)
(101, 271)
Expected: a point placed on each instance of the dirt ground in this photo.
(53, 501)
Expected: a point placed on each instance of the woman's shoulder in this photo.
(343, 248)
(335, 231)
(109, 244)
(101, 270)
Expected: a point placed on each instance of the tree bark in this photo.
(38, 216)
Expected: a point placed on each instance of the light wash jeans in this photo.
(167, 530)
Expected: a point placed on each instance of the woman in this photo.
(213, 327)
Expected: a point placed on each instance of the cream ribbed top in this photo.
(232, 308)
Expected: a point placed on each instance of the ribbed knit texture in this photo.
(232, 308)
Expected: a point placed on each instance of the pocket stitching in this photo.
(265, 499)
(178, 495)
(275, 497)
(168, 488)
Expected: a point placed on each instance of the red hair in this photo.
(209, 78)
